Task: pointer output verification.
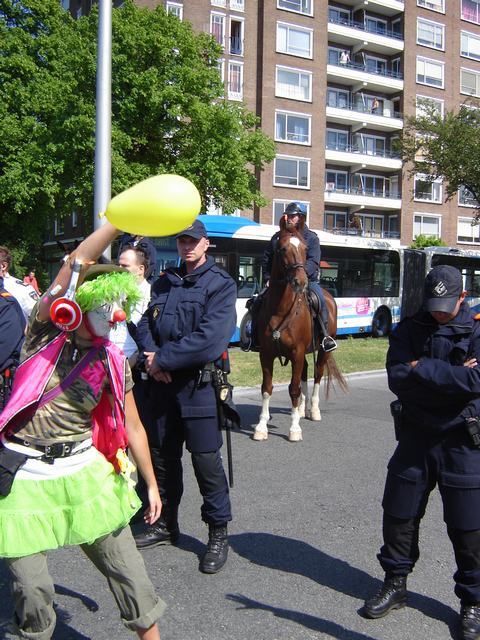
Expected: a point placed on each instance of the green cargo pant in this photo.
(115, 556)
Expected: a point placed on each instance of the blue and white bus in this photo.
(416, 263)
(363, 274)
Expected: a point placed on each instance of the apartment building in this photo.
(332, 82)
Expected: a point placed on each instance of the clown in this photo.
(63, 469)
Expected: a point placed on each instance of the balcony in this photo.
(387, 8)
(362, 76)
(350, 33)
(355, 114)
(357, 197)
(352, 156)
(365, 233)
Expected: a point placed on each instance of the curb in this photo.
(240, 391)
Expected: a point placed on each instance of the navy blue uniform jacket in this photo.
(312, 264)
(439, 392)
(190, 318)
(12, 329)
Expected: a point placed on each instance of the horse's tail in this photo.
(334, 375)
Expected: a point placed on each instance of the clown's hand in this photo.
(153, 511)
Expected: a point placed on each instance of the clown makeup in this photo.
(103, 318)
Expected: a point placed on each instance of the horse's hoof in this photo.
(260, 435)
(295, 436)
(316, 416)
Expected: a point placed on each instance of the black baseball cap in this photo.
(196, 230)
(443, 287)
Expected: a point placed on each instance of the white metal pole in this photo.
(103, 123)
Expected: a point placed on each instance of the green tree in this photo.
(422, 241)
(168, 114)
(446, 147)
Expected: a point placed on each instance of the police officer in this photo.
(12, 331)
(187, 327)
(296, 214)
(24, 293)
(433, 367)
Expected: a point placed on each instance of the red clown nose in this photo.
(119, 315)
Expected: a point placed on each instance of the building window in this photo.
(292, 127)
(471, 11)
(370, 185)
(292, 172)
(337, 98)
(376, 25)
(430, 72)
(466, 198)
(295, 84)
(336, 140)
(427, 191)
(237, 5)
(217, 27)
(219, 3)
(176, 9)
(294, 40)
(66, 5)
(74, 219)
(236, 36)
(426, 225)
(434, 5)
(298, 6)
(423, 102)
(470, 45)
(470, 82)
(466, 232)
(335, 221)
(336, 181)
(235, 80)
(58, 227)
(430, 34)
(279, 207)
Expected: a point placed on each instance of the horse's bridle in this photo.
(288, 269)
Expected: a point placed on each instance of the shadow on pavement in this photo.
(295, 556)
(310, 622)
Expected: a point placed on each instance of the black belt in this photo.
(50, 451)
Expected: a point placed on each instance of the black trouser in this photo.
(400, 552)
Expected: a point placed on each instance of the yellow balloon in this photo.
(158, 206)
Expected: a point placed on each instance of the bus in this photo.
(363, 274)
(416, 263)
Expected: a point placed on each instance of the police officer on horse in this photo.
(296, 214)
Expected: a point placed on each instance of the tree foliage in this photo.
(168, 113)
(421, 241)
(446, 147)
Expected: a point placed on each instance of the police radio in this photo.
(65, 313)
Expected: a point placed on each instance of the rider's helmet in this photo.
(296, 208)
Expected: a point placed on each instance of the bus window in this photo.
(248, 277)
(221, 260)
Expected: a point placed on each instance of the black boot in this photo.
(164, 531)
(391, 595)
(470, 622)
(217, 549)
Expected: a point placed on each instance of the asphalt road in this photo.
(303, 541)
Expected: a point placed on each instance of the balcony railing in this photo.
(380, 111)
(350, 148)
(362, 191)
(356, 66)
(388, 33)
(364, 233)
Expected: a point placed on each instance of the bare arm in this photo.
(138, 445)
(87, 252)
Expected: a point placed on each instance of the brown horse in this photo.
(285, 331)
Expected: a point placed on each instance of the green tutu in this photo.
(72, 509)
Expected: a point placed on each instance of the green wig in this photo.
(108, 288)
